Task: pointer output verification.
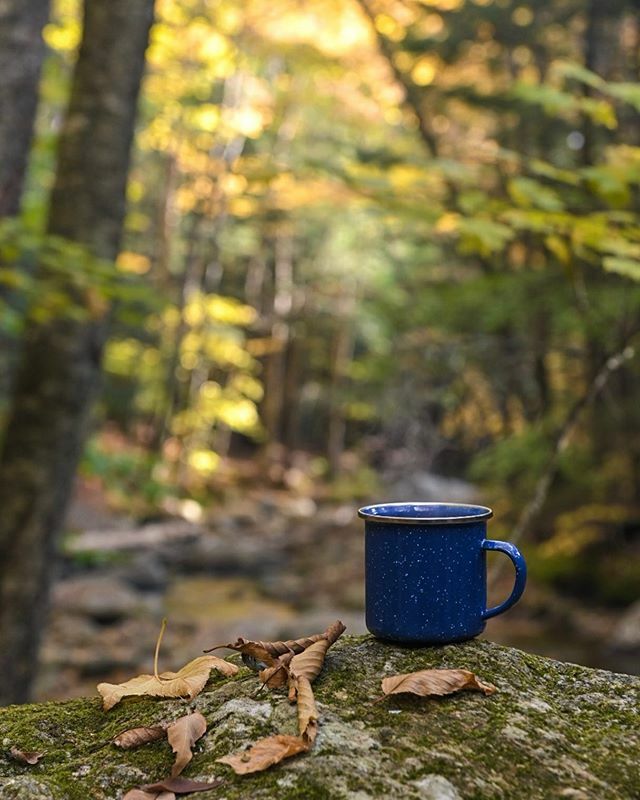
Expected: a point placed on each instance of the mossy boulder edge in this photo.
(552, 730)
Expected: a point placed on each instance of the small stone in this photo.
(100, 598)
(435, 787)
(24, 788)
(626, 634)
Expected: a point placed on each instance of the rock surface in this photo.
(552, 730)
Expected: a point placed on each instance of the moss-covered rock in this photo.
(552, 730)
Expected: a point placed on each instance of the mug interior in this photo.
(425, 513)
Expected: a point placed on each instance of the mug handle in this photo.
(521, 575)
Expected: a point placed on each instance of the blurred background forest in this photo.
(373, 250)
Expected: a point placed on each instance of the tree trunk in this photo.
(21, 53)
(61, 358)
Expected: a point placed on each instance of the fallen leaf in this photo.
(265, 753)
(135, 737)
(434, 682)
(182, 735)
(259, 655)
(308, 662)
(182, 785)
(277, 675)
(307, 710)
(187, 682)
(25, 756)
(138, 794)
(273, 649)
(334, 632)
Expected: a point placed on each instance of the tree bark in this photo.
(61, 358)
(21, 54)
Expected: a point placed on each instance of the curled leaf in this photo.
(277, 675)
(182, 785)
(265, 753)
(307, 710)
(434, 682)
(260, 655)
(309, 663)
(187, 682)
(182, 735)
(25, 756)
(135, 737)
(334, 632)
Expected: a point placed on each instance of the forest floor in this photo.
(266, 566)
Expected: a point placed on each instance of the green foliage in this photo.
(513, 463)
(127, 474)
(413, 231)
(583, 554)
(49, 278)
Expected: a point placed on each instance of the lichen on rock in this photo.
(552, 730)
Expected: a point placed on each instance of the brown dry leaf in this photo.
(138, 794)
(187, 682)
(435, 682)
(259, 655)
(182, 785)
(265, 753)
(334, 632)
(307, 710)
(135, 737)
(273, 649)
(277, 675)
(309, 663)
(182, 735)
(25, 756)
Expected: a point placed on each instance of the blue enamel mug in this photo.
(426, 574)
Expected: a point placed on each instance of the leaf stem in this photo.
(155, 657)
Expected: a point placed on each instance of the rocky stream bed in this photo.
(268, 566)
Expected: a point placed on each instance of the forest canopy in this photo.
(351, 219)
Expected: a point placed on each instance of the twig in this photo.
(533, 508)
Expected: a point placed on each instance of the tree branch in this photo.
(563, 437)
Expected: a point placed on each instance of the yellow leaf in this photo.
(187, 682)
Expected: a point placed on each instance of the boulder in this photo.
(552, 730)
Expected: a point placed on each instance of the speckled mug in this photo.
(426, 575)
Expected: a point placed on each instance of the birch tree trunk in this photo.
(60, 367)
